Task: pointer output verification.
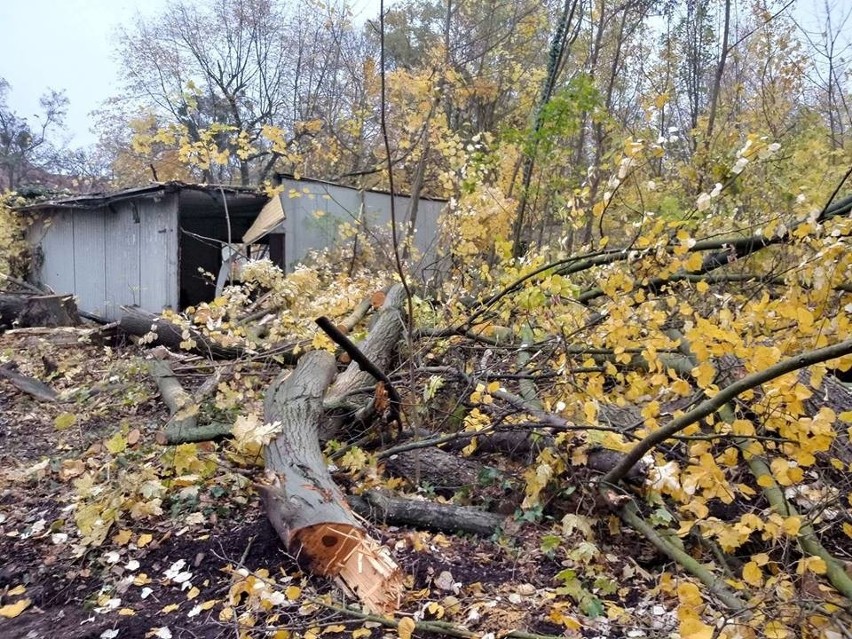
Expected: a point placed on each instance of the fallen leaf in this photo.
(10, 611)
(405, 628)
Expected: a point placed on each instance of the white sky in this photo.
(68, 44)
(63, 44)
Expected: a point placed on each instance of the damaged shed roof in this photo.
(99, 200)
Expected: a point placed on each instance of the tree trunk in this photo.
(380, 506)
(307, 509)
(140, 323)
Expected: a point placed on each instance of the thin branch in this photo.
(364, 362)
(710, 406)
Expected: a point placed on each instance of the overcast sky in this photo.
(68, 44)
(63, 44)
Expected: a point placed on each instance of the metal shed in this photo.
(309, 213)
(142, 247)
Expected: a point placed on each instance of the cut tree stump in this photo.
(38, 310)
(305, 506)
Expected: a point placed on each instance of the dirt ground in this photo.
(184, 579)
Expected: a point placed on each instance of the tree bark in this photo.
(378, 347)
(304, 505)
(140, 323)
(382, 507)
(38, 310)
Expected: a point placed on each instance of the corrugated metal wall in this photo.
(314, 212)
(127, 255)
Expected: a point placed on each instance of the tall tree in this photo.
(26, 149)
(222, 72)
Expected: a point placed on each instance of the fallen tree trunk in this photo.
(38, 310)
(306, 508)
(378, 347)
(140, 323)
(382, 507)
(34, 387)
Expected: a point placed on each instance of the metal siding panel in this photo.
(123, 282)
(305, 231)
(158, 247)
(57, 245)
(89, 269)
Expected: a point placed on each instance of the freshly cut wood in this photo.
(38, 310)
(383, 507)
(305, 506)
(141, 323)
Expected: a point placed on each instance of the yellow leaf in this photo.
(694, 262)
(193, 593)
(693, 628)
(702, 287)
(792, 525)
(436, 609)
(805, 319)
(689, 594)
(292, 593)
(815, 565)
(681, 387)
(405, 628)
(170, 608)
(122, 537)
(144, 540)
(333, 629)
(17, 590)
(116, 444)
(704, 374)
(127, 612)
(10, 611)
(752, 574)
(776, 630)
(765, 481)
(64, 420)
(361, 632)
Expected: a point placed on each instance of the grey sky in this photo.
(63, 44)
(68, 44)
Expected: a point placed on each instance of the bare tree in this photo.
(25, 149)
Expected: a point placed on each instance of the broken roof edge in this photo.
(290, 176)
(98, 200)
